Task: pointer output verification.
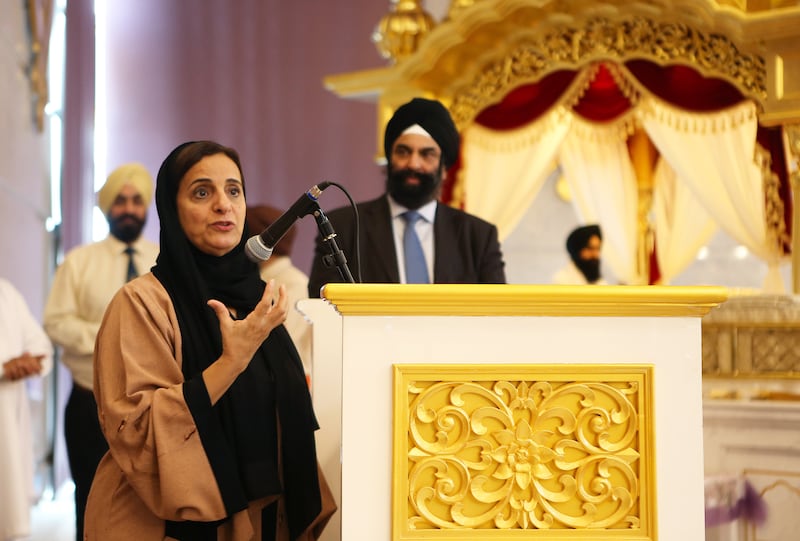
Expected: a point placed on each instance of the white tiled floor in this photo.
(53, 518)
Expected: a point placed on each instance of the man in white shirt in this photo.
(82, 288)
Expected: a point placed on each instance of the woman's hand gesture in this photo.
(241, 338)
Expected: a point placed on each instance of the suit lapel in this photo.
(446, 259)
(380, 258)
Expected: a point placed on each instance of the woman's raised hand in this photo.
(241, 338)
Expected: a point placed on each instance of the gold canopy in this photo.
(486, 47)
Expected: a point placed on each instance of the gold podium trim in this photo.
(522, 300)
(505, 452)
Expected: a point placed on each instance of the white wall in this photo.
(24, 167)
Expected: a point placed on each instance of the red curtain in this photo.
(526, 103)
(603, 101)
(684, 87)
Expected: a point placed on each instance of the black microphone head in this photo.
(256, 250)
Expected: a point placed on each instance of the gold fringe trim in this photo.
(692, 122)
(620, 129)
(507, 141)
(626, 82)
(573, 94)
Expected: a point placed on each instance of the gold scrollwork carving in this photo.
(778, 237)
(602, 38)
(525, 454)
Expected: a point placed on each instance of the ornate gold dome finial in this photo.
(399, 33)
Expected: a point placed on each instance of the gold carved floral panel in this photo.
(505, 452)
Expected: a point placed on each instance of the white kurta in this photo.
(19, 333)
(571, 275)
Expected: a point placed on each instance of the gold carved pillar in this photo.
(792, 134)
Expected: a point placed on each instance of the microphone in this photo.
(259, 247)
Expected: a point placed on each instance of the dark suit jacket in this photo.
(466, 248)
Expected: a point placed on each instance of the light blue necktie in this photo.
(416, 269)
(132, 273)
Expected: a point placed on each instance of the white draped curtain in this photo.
(514, 161)
(519, 161)
(596, 164)
(684, 225)
(714, 155)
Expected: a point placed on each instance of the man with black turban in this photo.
(583, 245)
(407, 224)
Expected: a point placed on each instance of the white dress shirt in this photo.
(82, 288)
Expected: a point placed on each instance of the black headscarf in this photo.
(434, 118)
(240, 433)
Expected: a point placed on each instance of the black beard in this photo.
(412, 196)
(590, 269)
(126, 232)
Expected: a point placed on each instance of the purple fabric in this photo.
(750, 506)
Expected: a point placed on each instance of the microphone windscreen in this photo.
(256, 250)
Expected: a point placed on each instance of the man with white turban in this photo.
(408, 223)
(82, 288)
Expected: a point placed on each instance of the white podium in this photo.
(505, 412)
